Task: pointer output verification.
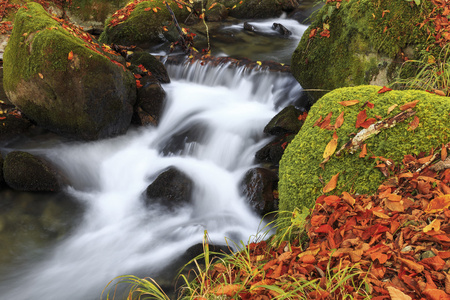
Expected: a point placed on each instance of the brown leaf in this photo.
(349, 102)
(413, 266)
(384, 90)
(391, 108)
(339, 120)
(414, 123)
(318, 122)
(230, 289)
(331, 185)
(439, 92)
(438, 204)
(348, 198)
(435, 294)
(363, 152)
(396, 294)
(360, 118)
(326, 121)
(443, 153)
(435, 262)
(409, 105)
(368, 122)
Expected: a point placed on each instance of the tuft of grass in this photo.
(431, 73)
(139, 288)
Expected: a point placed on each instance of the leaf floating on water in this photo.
(384, 90)
(411, 104)
(331, 185)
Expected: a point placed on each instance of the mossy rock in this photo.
(65, 82)
(152, 64)
(139, 25)
(302, 179)
(259, 9)
(365, 44)
(26, 172)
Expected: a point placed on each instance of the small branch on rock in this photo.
(184, 42)
(374, 129)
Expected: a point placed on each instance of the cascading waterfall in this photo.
(211, 128)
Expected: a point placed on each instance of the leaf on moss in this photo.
(384, 90)
(414, 123)
(391, 108)
(409, 105)
(360, 118)
(70, 55)
(363, 152)
(339, 120)
(324, 124)
(331, 185)
(349, 102)
(443, 152)
(331, 146)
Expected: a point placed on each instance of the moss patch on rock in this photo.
(301, 177)
(144, 24)
(353, 44)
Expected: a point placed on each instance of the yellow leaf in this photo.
(438, 204)
(348, 198)
(40, 75)
(331, 147)
(258, 62)
(188, 9)
(397, 294)
(331, 185)
(434, 225)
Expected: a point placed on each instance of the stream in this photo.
(70, 245)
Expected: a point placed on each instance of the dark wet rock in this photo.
(152, 64)
(249, 27)
(170, 188)
(197, 249)
(177, 143)
(25, 172)
(151, 99)
(12, 122)
(59, 82)
(281, 29)
(286, 121)
(257, 186)
(259, 9)
(217, 13)
(2, 179)
(273, 151)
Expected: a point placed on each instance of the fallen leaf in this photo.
(434, 225)
(348, 198)
(414, 123)
(349, 102)
(391, 108)
(435, 262)
(368, 122)
(339, 120)
(413, 266)
(384, 90)
(435, 294)
(443, 153)
(409, 105)
(439, 92)
(438, 204)
(360, 118)
(326, 121)
(396, 294)
(138, 84)
(229, 289)
(331, 185)
(331, 146)
(363, 152)
(40, 75)
(70, 56)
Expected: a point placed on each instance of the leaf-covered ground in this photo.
(394, 244)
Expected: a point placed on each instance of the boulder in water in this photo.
(150, 63)
(259, 9)
(25, 172)
(170, 188)
(273, 151)
(286, 121)
(151, 99)
(65, 82)
(258, 186)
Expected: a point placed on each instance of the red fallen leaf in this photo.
(284, 145)
(147, 9)
(414, 123)
(326, 121)
(325, 33)
(165, 28)
(2, 118)
(435, 262)
(331, 185)
(303, 116)
(360, 118)
(143, 69)
(412, 265)
(319, 120)
(332, 200)
(70, 56)
(137, 76)
(349, 102)
(325, 228)
(317, 220)
(138, 84)
(442, 237)
(312, 33)
(384, 90)
(370, 105)
(408, 105)
(339, 121)
(368, 122)
(363, 152)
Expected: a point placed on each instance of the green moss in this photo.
(302, 179)
(145, 27)
(357, 28)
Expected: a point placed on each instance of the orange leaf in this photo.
(435, 225)
(443, 153)
(384, 90)
(414, 123)
(397, 294)
(2, 118)
(331, 185)
(368, 122)
(439, 92)
(425, 159)
(435, 294)
(363, 151)
(339, 121)
(70, 56)
(312, 33)
(438, 204)
(348, 198)
(319, 120)
(155, 9)
(370, 105)
(303, 116)
(412, 265)
(409, 105)
(349, 102)
(147, 9)
(138, 84)
(360, 118)
(331, 146)
(230, 289)
(308, 259)
(435, 262)
(326, 121)
(40, 75)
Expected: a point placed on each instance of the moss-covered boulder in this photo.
(259, 9)
(150, 63)
(65, 82)
(25, 172)
(144, 24)
(359, 42)
(301, 177)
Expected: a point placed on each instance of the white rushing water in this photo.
(219, 115)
